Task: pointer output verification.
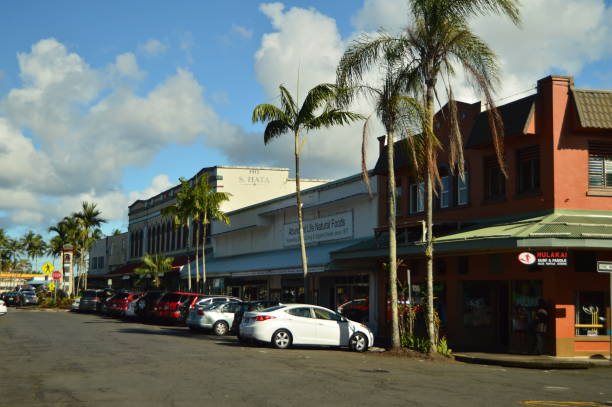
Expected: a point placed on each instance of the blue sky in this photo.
(112, 101)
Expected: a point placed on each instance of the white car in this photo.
(304, 324)
(217, 316)
(75, 305)
(3, 308)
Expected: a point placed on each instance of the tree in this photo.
(181, 213)
(399, 114)
(154, 266)
(68, 233)
(315, 112)
(89, 219)
(206, 204)
(439, 38)
(35, 246)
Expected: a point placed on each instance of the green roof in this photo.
(594, 108)
(577, 229)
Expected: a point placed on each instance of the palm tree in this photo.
(154, 266)
(439, 38)
(181, 213)
(291, 118)
(89, 219)
(68, 232)
(35, 246)
(206, 204)
(399, 114)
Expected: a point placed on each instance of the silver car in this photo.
(217, 316)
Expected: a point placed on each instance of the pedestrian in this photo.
(541, 326)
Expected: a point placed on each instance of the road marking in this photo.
(562, 403)
(555, 388)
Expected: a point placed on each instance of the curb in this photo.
(532, 364)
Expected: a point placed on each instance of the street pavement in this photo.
(67, 359)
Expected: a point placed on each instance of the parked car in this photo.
(145, 306)
(92, 300)
(29, 297)
(3, 308)
(202, 300)
(117, 305)
(13, 298)
(250, 306)
(75, 305)
(217, 316)
(304, 324)
(167, 308)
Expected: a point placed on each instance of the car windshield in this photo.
(90, 294)
(276, 307)
(171, 298)
(207, 307)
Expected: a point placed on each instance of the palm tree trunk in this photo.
(298, 199)
(429, 222)
(188, 260)
(395, 336)
(197, 256)
(204, 251)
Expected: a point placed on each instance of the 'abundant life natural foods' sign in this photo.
(339, 226)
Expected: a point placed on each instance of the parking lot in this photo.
(71, 359)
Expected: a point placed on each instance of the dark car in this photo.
(168, 308)
(29, 297)
(248, 307)
(92, 300)
(145, 306)
(14, 298)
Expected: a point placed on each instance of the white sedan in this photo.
(304, 324)
(3, 309)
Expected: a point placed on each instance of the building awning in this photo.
(277, 262)
(123, 270)
(560, 229)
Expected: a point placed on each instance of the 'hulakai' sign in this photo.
(544, 258)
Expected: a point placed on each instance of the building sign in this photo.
(254, 178)
(334, 227)
(604, 266)
(544, 258)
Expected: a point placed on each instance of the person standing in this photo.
(541, 326)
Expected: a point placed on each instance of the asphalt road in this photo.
(66, 359)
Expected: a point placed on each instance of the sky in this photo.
(112, 101)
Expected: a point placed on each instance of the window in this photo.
(600, 165)
(528, 169)
(101, 262)
(591, 318)
(495, 183)
(445, 192)
(94, 263)
(417, 197)
(324, 314)
(300, 312)
(462, 189)
(398, 199)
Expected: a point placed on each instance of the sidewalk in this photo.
(530, 361)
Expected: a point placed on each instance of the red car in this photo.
(118, 304)
(169, 306)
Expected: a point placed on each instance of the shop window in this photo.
(528, 169)
(496, 263)
(591, 313)
(417, 197)
(495, 182)
(477, 309)
(600, 165)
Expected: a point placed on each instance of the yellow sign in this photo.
(47, 268)
(51, 286)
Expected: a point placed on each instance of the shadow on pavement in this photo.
(162, 332)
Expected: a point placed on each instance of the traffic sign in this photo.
(56, 275)
(47, 268)
(604, 266)
(51, 286)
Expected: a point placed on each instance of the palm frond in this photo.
(274, 129)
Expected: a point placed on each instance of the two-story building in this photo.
(105, 256)
(502, 244)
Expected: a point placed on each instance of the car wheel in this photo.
(220, 328)
(358, 342)
(281, 339)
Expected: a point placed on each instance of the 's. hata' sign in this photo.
(551, 258)
(339, 226)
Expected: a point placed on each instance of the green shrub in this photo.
(443, 348)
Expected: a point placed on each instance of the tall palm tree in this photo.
(399, 114)
(207, 207)
(89, 219)
(155, 266)
(438, 39)
(315, 112)
(181, 213)
(68, 233)
(35, 246)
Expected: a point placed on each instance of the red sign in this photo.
(56, 275)
(527, 258)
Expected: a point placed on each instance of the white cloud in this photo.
(242, 31)
(391, 15)
(127, 67)
(153, 48)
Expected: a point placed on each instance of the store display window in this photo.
(591, 313)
